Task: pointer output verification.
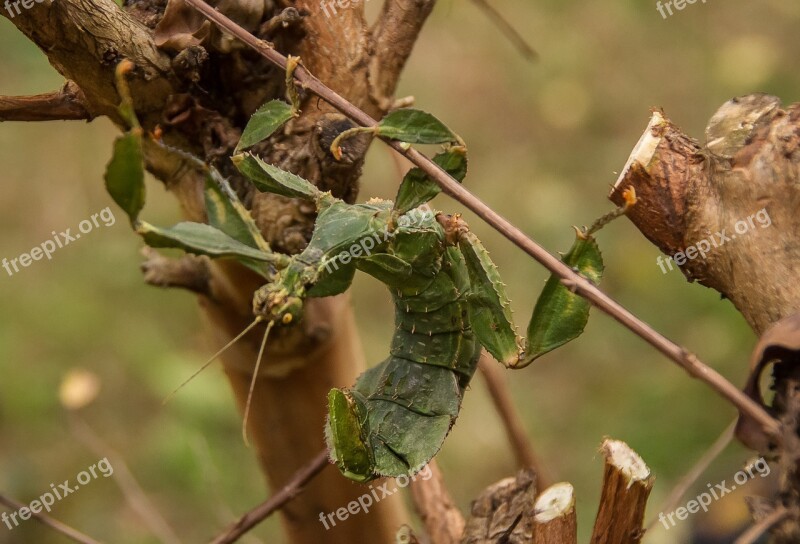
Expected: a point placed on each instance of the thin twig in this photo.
(507, 29)
(134, 494)
(66, 104)
(695, 472)
(277, 501)
(754, 532)
(512, 423)
(580, 285)
(66, 530)
(434, 503)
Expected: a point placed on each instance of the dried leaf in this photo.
(780, 344)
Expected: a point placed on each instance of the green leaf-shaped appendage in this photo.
(491, 310)
(271, 179)
(415, 127)
(266, 120)
(418, 188)
(345, 435)
(125, 174)
(200, 239)
(227, 213)
(561, 315)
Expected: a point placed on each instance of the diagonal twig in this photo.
(54, 524)
(695, 472)
(443, 521)
(515, 430)
(277, 501)
(131, 490)
(507, 29)
(577, 283)
(756, 530)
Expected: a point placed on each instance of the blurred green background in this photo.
(545, 140)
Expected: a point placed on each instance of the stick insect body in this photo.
(448, 297)
(397, 415)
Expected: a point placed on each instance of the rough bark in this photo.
(626, 487)
(689, 193)
(201, 93)
(503, 512)
(742, 186)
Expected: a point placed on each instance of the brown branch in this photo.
(579, 284)
(555, 520)
(394, 35)
(756, 530)
(277, 501)
(189, 272)
(66, 104)
(512, 423)
(436, 508)
(134, 495)
(66, 530)
(84, 40)
(626, 487)
(695, 472)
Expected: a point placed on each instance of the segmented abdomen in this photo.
(409, 402)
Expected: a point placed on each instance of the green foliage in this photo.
(418, 188)
(271, 179)
(200, 239)
(561, 315)
(266, 120)
(415, 127)
(125, 174)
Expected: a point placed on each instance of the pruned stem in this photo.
(555, 521)
(626, 487)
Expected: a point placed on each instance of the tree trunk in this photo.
(201, 93)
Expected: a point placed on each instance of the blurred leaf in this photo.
(125, 174)
(417, 187)
(561, 315)
(266, 120)
(415, 127)
(271, 179)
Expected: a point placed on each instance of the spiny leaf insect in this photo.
(448, 297)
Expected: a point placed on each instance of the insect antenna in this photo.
(253, 383)
(247, 329)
